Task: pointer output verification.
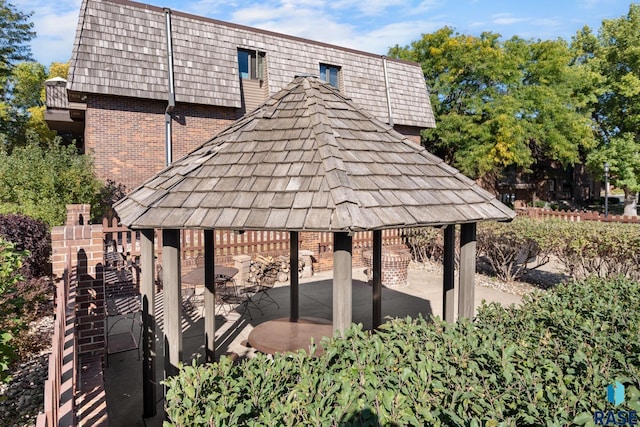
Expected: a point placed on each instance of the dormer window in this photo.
(251, 64)
(330, 74)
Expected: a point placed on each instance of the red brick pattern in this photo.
(395, 266)
(90, 316)
(126, 136)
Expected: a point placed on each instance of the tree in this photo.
(615, 55)
(22, 93)
(24, 105)
(35, 123)
(499, 105)
(39, 181)
(15, 34)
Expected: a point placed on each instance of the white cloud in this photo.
(381, 39)
(55, 26)
(507, 19)
(312, 22)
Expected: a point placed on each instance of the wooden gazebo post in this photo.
(448, 308)
(376, 265)
(467, 270)
(147, 293)
(342, 275)
(209, 296)
(172, 301)
(293, 275)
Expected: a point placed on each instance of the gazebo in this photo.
(308, 159)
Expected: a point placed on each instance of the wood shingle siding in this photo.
(309, 159)
(120, 49)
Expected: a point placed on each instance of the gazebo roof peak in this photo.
(308, 159)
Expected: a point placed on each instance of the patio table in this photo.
(282, 335)
(196, 276)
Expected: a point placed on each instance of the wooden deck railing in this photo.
(60, 386)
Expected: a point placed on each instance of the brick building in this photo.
(148, 85)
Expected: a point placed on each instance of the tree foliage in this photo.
(615, 56)
(22, 93)
(16, 31)
(35, 124)
(39, 181)
(15, 34)
(498, 104)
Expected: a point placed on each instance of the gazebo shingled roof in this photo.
(309, 159)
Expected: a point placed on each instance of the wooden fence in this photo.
(230, 243)
(60, 386)
(362, 240)
(576, 215)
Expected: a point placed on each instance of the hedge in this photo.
(546, 363)
(512, 249)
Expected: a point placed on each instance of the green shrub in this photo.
(10, 323)
(509, 248)
(39, 182)
(584, 248)
(590, 248)
(546, 363)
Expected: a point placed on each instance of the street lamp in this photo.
(606, 189)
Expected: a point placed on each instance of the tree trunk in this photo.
(630, 206)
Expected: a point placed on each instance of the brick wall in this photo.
(82, 245)
(126, 136)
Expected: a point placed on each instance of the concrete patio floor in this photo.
(123, 374)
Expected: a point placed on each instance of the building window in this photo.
(330, 74)
(251, 64)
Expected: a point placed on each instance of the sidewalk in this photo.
(423, 294)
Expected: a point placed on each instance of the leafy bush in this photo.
(10, 263)
(509, 248)
(546, 363)
(31, 235)
(425, 243)
(506, 247)
(585, 248)
(40, 182)
(108, 195)
(30, 301)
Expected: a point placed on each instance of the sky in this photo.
(371, 25)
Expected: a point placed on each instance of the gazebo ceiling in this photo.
(309, 159)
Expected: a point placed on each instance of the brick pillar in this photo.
(307, 257)
(77, 234)
(242, 263)
(80, 245)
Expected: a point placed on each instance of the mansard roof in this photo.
(120, 49)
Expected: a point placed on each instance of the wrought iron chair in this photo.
(263, 288)
(247, 294)
(226, 293)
